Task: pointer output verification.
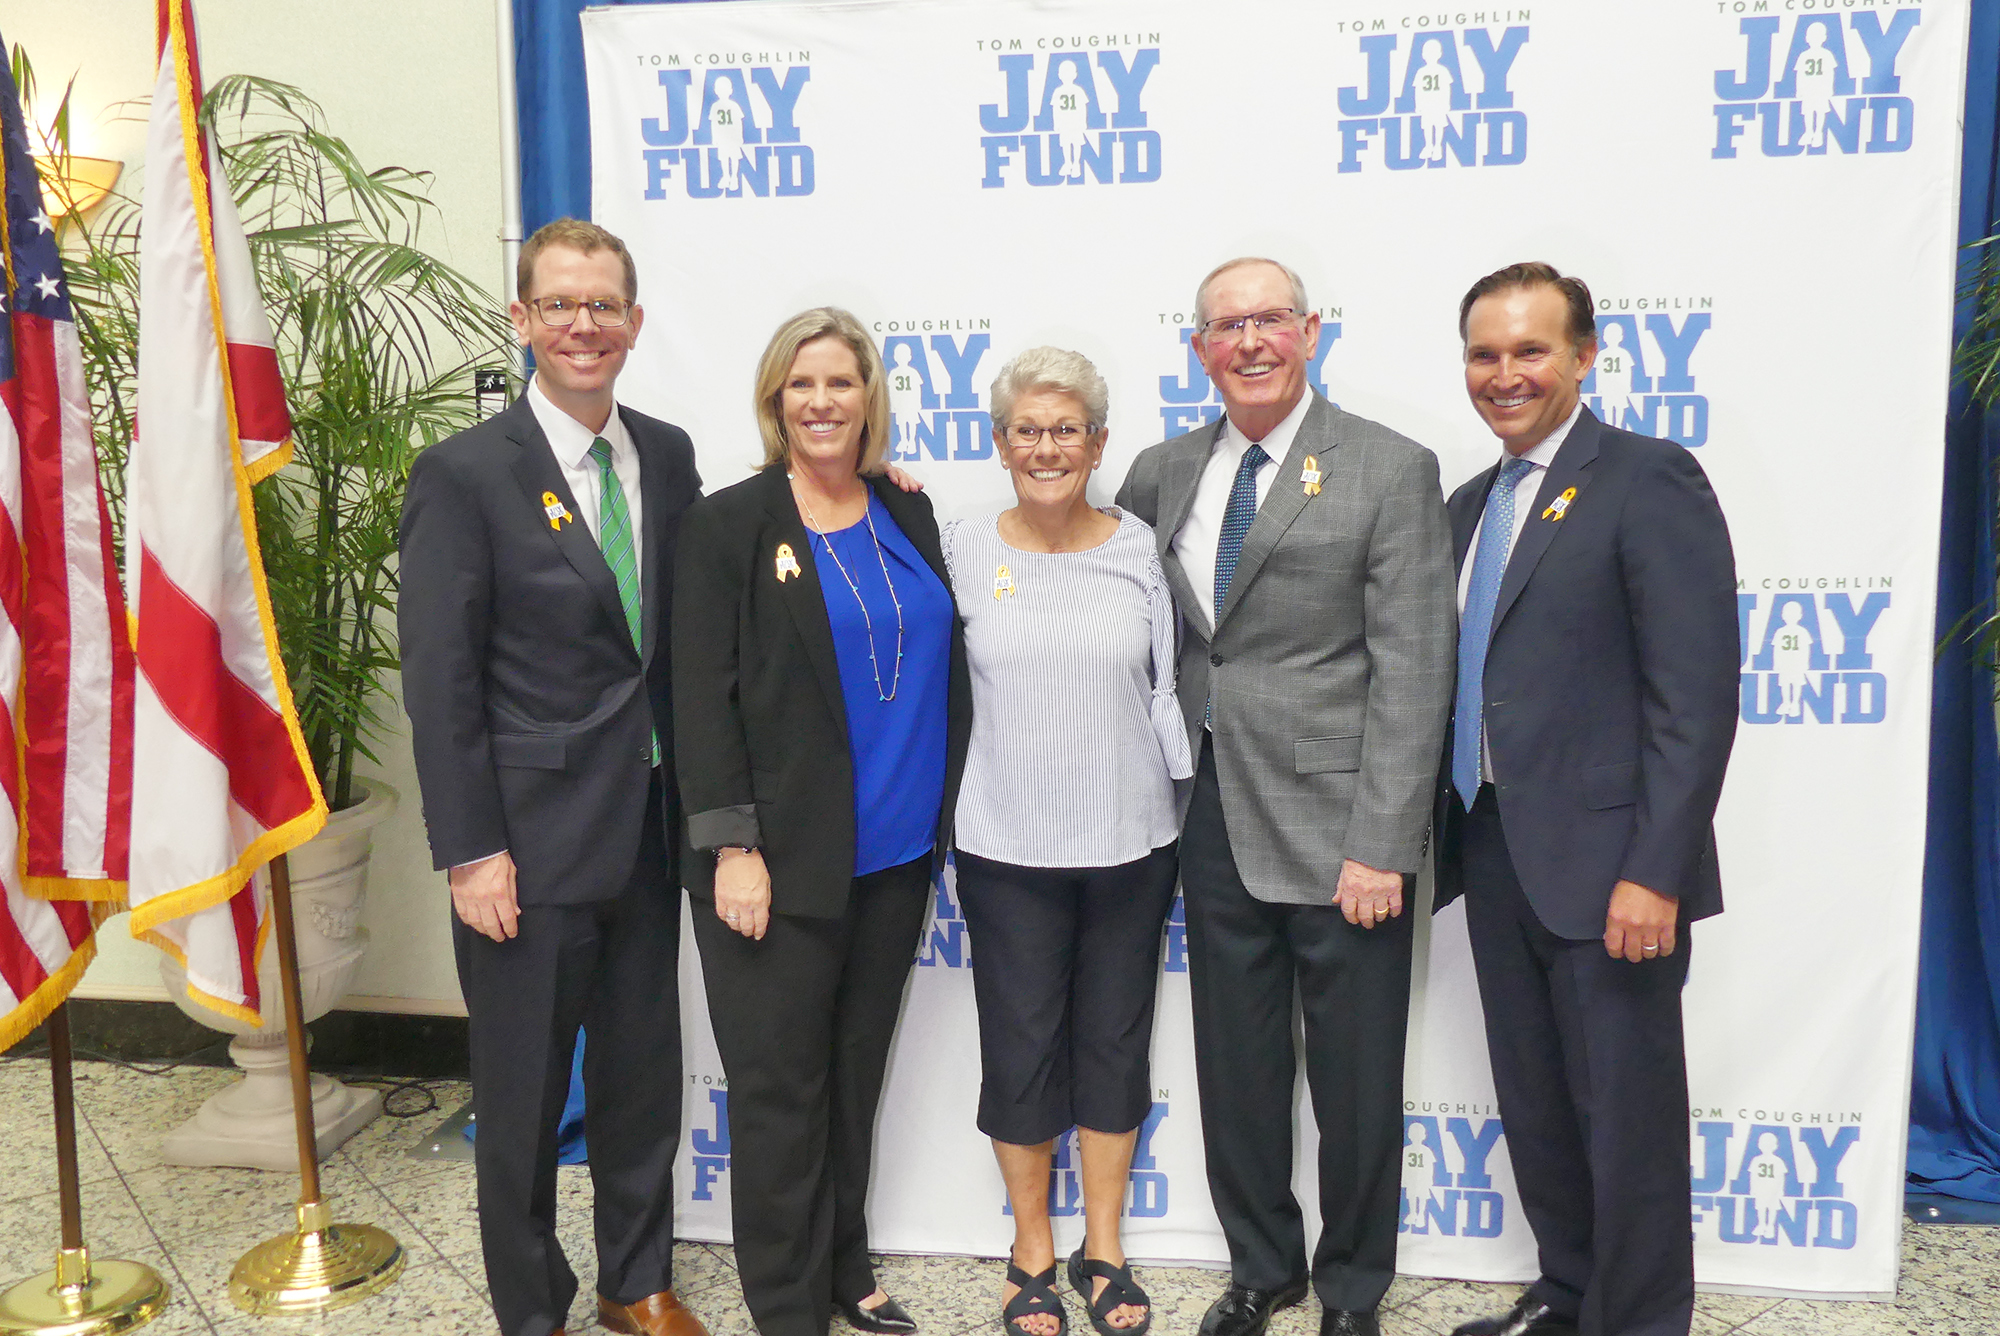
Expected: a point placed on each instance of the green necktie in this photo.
(614, 537)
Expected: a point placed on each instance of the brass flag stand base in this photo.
(82, 1298)
(79, 1297)
(321, 1265)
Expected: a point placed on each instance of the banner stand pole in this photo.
(78, 1298)
(320, 1265)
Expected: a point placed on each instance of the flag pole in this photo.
(79, 1297)
(320, 1265)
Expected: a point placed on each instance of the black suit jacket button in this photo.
(1215, 660)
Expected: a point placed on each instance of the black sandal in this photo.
(1037, 1296)
(1119, 1290)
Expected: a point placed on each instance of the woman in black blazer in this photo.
(821, 713)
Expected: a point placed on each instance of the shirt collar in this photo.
(568, 438)
(1544, 452)
(1277, 442)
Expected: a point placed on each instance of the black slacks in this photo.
(803, 1021)
(608, 966)
(1590, 1068)
(1246, 961)
(1066, 965)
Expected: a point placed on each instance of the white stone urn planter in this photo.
(250, 1122)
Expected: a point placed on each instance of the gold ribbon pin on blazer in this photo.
(788, 563)
(1560, 506)
(557, 512)
(1310, 475)
(1003, 582)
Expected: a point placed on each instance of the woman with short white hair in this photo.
(1066, 826)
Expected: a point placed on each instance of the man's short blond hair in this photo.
(579, 234)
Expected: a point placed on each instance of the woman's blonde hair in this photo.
(776, 364)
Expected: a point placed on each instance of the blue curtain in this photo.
(554, 111)
(1955, 1096)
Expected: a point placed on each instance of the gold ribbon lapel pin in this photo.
(788, 563)
(557, 512)
(1003, 582)
(1310, 475)
(1560, 506)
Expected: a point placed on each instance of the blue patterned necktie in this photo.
(1236, 518)
(614, 538)
(1475, 628)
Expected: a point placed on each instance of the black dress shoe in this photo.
(886, 1317)
(1528, 1317)
(1349, 1322)
(1242, 1311)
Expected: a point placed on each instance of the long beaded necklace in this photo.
(867, 622)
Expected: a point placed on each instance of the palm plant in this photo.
(378, 342)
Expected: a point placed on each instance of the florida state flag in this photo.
(222, 781)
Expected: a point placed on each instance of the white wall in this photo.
(413, 85)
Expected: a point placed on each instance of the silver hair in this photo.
(1055, 369)
(1299, 303)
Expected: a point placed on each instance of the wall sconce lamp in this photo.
(74, 185)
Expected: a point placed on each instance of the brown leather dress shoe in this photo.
(655, 1315)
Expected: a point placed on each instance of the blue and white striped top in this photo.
(1076, 734)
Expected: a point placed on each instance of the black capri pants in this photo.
(1065, 967)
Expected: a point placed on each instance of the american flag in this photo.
(65, 662)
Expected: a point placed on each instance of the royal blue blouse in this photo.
(897, 746)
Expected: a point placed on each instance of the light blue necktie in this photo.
(1475, 628)
(1236, 518)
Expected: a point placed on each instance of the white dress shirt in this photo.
(1199, 533)
(1527, 499)
(571, 442)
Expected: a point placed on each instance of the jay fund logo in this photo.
(1446, 1186)
(708, 1140)
(1815, 84)
(935, 411)
(728, 132)
(1432, 99)
(1642, 379)
(1774, 1185)
(1069, 118)
(1805, 649)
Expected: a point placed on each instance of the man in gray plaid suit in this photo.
(1310, 555)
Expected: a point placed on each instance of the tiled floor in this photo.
(192, 1224)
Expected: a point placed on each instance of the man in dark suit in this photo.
(1595, 710)
(1309, 555)
(537, 553)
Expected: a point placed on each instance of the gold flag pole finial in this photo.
(80, 1297)
(320, 1265)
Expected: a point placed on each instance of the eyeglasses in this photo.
(560, 312)
(1231, 326)
(1026, 435)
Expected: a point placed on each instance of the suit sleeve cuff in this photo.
(725, 827)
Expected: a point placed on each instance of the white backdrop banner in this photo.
(1761, 194)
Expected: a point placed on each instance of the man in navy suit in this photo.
(1596, 705)
(537, 560)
